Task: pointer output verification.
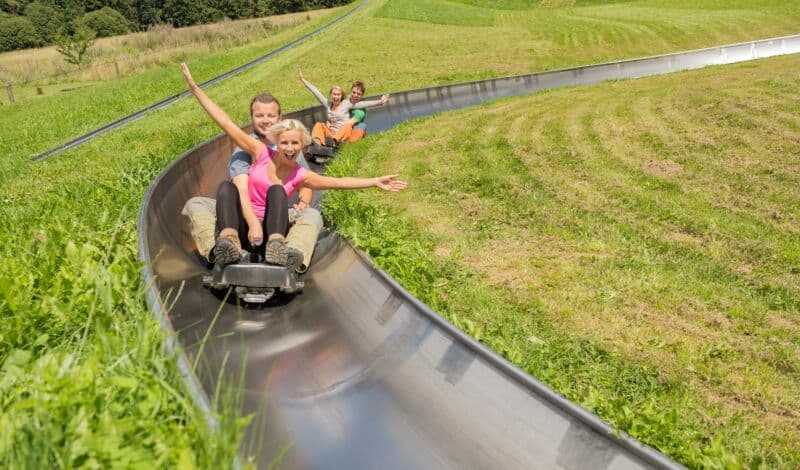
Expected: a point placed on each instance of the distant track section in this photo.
(357, 373)
(168, 101)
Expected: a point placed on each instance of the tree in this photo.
(71, 9)
(258, 8)
(182, 12)
(233, 9)
(11, 6)
(209, 14)
(106, 22)
(128, 9)
(277, 7)
(125, 7)
(148, 13)
(74, 46)
(46, 19)
(17, 32)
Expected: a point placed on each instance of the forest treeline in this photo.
(25, 24)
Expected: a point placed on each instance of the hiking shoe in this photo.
(226, 252)
(276, 252)
(247, 257)
(294, 258)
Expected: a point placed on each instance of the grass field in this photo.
(85, 108)
(634, 244)
(82, 359)
(405, 54)
(137, 52)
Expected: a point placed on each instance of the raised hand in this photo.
(187, 75)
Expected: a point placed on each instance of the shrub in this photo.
(106, 22)
(17, 32)
(180, 13)
(10, 6)
(46, 19)
(148, 13)
(73, 46)
(209, 14)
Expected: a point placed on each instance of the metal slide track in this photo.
(357, 373)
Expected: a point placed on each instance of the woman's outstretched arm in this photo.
(314, 91)
(245, 142)
(386, 183)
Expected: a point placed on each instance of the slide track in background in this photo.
(168, 101)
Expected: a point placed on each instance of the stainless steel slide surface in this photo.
(355, 372)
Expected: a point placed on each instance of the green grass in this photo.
(634, 245)
(130, 54)
(396, 54)
(530, 4)
(70, 289)
(86, 108)
(438, 12)
(500, 5)
(86, 379)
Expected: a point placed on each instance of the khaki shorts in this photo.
(303, 230)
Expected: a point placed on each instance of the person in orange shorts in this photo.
(339, 125)
(357, 115)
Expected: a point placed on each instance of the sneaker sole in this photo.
(294, 258)
(226, 252)
(276, 253)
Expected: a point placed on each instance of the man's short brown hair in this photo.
(360, 85)
(265, 98)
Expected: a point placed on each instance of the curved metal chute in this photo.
(357, 373)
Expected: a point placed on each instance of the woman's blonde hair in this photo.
(289, 125)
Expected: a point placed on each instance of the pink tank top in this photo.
(258, 182)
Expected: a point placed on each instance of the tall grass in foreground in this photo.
(635, 245)
(86, 381)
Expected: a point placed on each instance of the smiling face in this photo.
(355, 95)
(356, 92)
(264, 116)
(290, 144)
(336, 94)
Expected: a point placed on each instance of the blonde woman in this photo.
(274, 176)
